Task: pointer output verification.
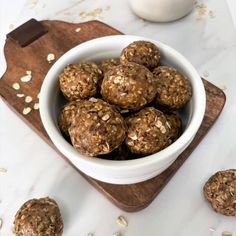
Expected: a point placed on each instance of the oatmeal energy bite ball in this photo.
(38, 217)
(66, 115)
(141, 52)
(108, 64)
(147, 131)
(130, 86)
(96, 128)
(220, 191)
(175, 125)
(173, 89)
(80, 80)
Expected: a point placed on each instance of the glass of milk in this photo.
(161, 10)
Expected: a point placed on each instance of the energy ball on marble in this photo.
(220, 191)
(66, 115)
(80, 80)
(38, 217)
(173, 89)
(141, 52)
(108, 64)
(96, 128)
(175, 125)
(148, 131)
(130, 86)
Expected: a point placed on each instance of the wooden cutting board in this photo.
(61, 37)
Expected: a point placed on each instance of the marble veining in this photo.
(35, 170)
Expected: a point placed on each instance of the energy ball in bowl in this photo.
(96, 128)
(148, 131)
(108, 64)
(38, 217)
(175, 125)
(141, 52)
(80, 80)
(130, 86)
(173, 89)
(66, 115)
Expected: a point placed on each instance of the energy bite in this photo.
(148, 131)
(80, 80)
(96, 128)
(141, 52)
(220, 191)
(108, 64)
(66, 115)
(175, 125)
(173, 89)
(38, 217)
(130, 86)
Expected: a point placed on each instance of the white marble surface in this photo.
(35, 170)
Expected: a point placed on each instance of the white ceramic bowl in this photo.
(130, 171)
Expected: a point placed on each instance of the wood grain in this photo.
(60, 38)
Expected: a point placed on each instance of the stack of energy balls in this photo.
(130, 101)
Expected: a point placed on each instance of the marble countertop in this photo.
(34, 170)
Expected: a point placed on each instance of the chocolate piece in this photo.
(27, 33)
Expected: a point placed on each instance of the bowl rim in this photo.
(70, 152)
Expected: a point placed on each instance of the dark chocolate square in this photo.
(27, 33)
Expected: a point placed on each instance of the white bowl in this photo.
(129, 171)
